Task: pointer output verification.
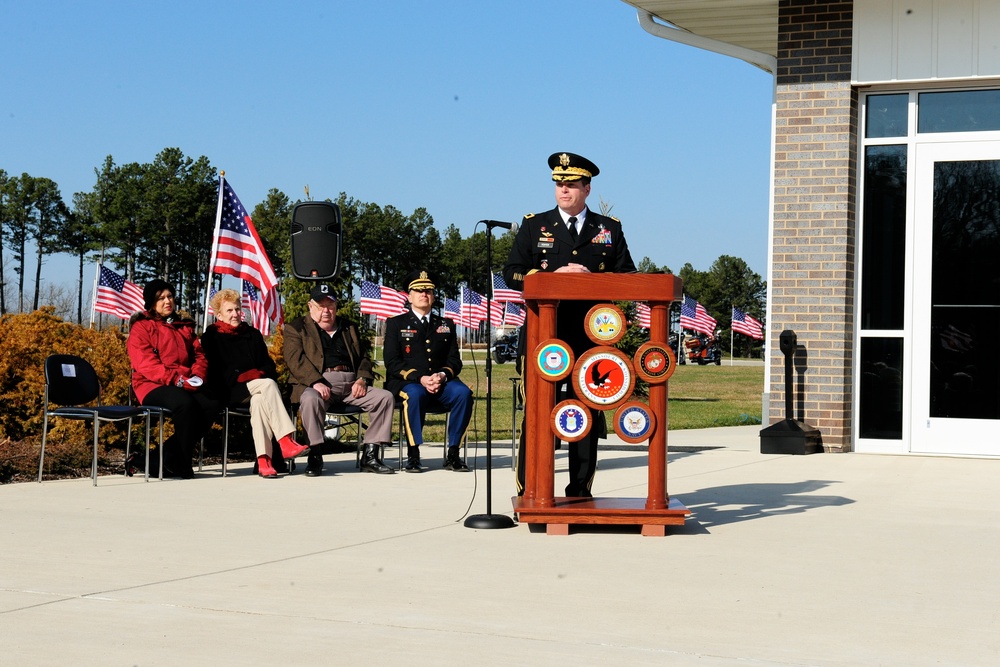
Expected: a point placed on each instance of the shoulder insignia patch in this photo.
(529, 216)
(614, 218)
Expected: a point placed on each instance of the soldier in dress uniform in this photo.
(422, 364)
(570, 239)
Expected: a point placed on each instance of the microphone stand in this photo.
(489, 520)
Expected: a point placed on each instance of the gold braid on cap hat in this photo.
(423, 281)
(569, 173)
(564, 172)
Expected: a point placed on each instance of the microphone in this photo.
(496, 223)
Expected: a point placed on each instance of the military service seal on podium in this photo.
(603, 377)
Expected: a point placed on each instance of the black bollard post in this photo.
(790, 436)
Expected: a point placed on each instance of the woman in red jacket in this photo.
(168, 371)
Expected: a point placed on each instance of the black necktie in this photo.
(572, 227)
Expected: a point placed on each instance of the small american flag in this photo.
(496, 313)
(503, 293)
(642, 315)
(115, 295)
(746, 325)
(513, 315)
(452, 310)
(695, 317)
(240, 253)
(473, 308)
(381, 301)
(258, 316)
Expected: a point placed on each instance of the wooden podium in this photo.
(542, 294)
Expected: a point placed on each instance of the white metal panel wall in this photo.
(920, 40)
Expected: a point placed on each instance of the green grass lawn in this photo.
(698, 397)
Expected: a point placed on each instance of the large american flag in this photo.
(503, 293)
(473, 307)
(252, 302)
(695, 317)
(381, 301)
(513, 316)
(115, 295)
(239, 252)
(746, 325)
(642, 315)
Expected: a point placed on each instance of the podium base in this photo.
(489, 521)
(565, 512)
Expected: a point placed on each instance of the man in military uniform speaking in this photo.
(570, 239)
(422, 364)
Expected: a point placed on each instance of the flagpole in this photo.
(93, 296)
(215, 248)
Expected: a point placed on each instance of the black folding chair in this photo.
(71, 382)
(228, 411)
(150, 411)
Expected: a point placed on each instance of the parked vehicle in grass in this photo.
(702, 349)
(505, 348)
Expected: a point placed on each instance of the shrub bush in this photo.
(27, 339)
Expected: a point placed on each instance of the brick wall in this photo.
(813, 276)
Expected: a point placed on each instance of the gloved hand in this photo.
(192, 383)
(252, 374)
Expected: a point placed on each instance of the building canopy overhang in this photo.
(744, 29)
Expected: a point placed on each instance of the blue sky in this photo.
(447, 105)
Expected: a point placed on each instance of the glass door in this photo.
(955, 403)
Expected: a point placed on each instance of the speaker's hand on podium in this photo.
(572, 268)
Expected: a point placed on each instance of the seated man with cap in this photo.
(328, 363)
(422, 365)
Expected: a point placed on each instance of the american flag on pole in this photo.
(746, 325)
(240, 253)
(642, 315)
(694, 316)
(252, 302)
(452, 310)
(503, 293)
(115, 295)
(381, 301)
(513, 316)
(496, 313)
(473, 307)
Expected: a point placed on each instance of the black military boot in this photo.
(370, 462)
(413, 459)
(454, 461)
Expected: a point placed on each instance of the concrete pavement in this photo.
(828, 559)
